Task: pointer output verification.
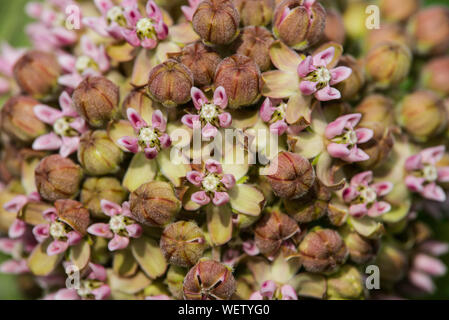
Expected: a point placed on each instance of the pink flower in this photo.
(62, 234)
(344, 138)
(213, 182)
(18, 227)
(317, 79)
(190, 9)
(144, 31)
(8, 59)
(423, 174)
(210, 115)
(93, 61)
(13, 266)
(67, 127)
(250, 248)
(270, 290)
(150, 139)
(276, 117)
(120, 228)
(363, 196)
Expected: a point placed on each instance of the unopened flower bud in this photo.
(96, 189)
(170, 83)
(322, 250)
(347, 283)
(98, 154)
(430, 30)
(293, 175)
(422, 115)
(392, 263)
(310, 207)
(350, 87)
(201, 60)
(140, 101)
(240, 76)
(435, 75)
(209, 280)
(376, 108)
(183, 243)
(354, 19)
(18, 120)
(335, 28)
(255, 12)
(361, 250)
(58, 178)
(388, 63)
(216, 22)
(97, 100)
(255, 42)
(393, 10)
(36, 73)
(298, 23)
(390, 32)
(74, 214)
(272, 230)
(154, 203)
(380, 145)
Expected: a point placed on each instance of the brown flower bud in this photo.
(388, 63)
(255, 12)
(376, 108)
(272, 230)
(312, 206)
(392, 263)
(255, 42)
(361, 250)
(170, 83)
(96, 189)
(201, 60)
(154, 203)
(435, 75)
(216, 22)
(98, 154)
(393, 10)
(37, 73)
(335, 28)
(347, 283)
(140, 101)
(58, 178)
(97, 100)
(422, 115)
(322, 250)
(390, 32)
(293, 175)
(18, 120)
(182, 243)
(350, 87)
(74, 214)
(209, 280)
(430, 30)
(240, 76)
(298, 25)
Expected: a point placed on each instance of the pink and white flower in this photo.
(67, 127)
(190, 9)
(120, 228)
(423, 173)
(93, 61)
(14, 248)
(8, 59)
(213, 182)
(63, 235)
(276, 118)
(144, 31)
(18, 227)
(270, 290)
(150, 139)
(344, 138)
(363, 196)
(210, 115)
(317, 79)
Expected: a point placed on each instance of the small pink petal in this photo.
(266, 110)
(279, 127)
(337, 150)
(433, 192)
(336, 127)
(67, 294)
(50, 214)
(435, 248)
(422, 281)
(288, 293)
(98, 272)
(65, 101)
(339, 74)
(151, 153)
(323, 58)
(41, 232)
(14, 267)
(153, 10)
(158, 121)
(349, 194)
(165, 141)
(132, 15)
(382, 188)
(200, 197)
(378, 209)
(355, 155)
(195, 178)
(135, 119)
(307, 87)
(134, 230)
(190, 119)
(104, 5)
(161, 30)
(131, 37)
(71, 80)
(209, 131)
(69, 145)
(100, 230)
(363, 178)
(129, 143)
(228, 180)
(305, 67)
(250, 248)
(220, 198)
(148, 43)
(17, 229)
(415, 184)
(57, 247)
(118, 243)
(256, 296)
(213, 166)
(73, 238)
(7, 245)
(432, 155)
(16, 204)
(327, 93)
(268, 289)
(443, 174)
(198, 97)
(429, 265)
(110, 208)
(46, 114)
(102, 293)
(49, 141)
(413, 162)
(364, 135)
(225, 119)
(220, 97)
(358, 210)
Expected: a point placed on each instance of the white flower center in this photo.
(350, 137)
(209, 112)
(368, 195)
(117, 223)
(115, 14)
(147, 136)
(430, 173)
(279, 113)
(57, 230)
(211, 182)
(145, 28)
(62, 126)
(323, 75)
(85, 62)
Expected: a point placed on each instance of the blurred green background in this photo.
(12, 22)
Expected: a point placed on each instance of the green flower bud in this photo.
(98, 154)
(393, 10)
(392, 263)
(435, 75)
(255, 12)
(170, 83)
(58, 178)
(18, 120)
(182, 243)
(347, 283)
(97, 100)
(387, 33)
(37, 73)
(354, 19)
(216, 22)
(209, 280)
(351, 87)
(96, 189)
(376, 108)
(361, 250)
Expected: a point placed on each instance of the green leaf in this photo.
(124, 263)
(40, 263)
(149, 256)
